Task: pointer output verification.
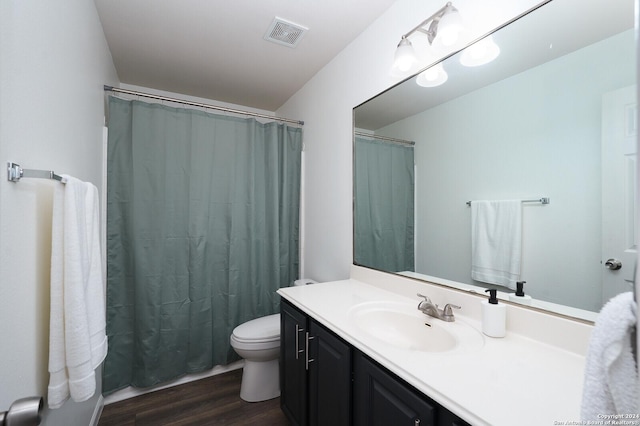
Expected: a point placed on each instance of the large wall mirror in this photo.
(553, 116)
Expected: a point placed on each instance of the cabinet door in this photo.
(329, 378)
(447, 418)
(380, 399)
(293, 375)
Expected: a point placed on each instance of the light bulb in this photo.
(405, 55)
(450, 26)
(480, 53)
(433, 76)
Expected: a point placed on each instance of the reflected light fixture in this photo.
(432, 76)
(480, 53)
(443, 28)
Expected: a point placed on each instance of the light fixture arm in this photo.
(432, 31)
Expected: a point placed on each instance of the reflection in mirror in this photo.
(384, 182)
(554, 115)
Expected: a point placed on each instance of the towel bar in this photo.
(542, 200)
(15, 173)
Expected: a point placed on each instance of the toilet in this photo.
(258, 342)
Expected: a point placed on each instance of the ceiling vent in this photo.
(284, 32)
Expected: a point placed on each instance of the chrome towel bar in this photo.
(15, 173)
(543, 200)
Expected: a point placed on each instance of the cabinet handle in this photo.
(308, 360)
(416, 422)
(298, 331)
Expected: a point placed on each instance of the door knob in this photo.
(613, 264)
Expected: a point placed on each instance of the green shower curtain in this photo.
(384, 205)
(202, 229)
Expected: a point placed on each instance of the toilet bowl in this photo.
(258, 342)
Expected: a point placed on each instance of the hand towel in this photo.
(611, 375)
(496, 241)
(77, 341)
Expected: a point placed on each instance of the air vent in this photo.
(284, 32)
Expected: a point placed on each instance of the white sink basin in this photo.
(403, 326)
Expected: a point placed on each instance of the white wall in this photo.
(325, 103)
(518, 138)
(54, 61)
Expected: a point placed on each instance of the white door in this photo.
(619, 132)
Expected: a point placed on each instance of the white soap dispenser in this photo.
(494, 316)
(519, 296)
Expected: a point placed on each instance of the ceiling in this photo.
(215, 49)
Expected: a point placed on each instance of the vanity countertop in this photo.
(507, 381)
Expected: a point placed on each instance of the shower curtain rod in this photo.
(198, 104)
(385, 138)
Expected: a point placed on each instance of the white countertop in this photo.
(514, 380)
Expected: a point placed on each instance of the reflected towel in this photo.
(611, 376)
(496, 241)
(77, 341)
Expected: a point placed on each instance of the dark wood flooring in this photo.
(211, 401)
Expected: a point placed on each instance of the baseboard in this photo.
(132, 392)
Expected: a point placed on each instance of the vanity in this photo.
(342, 364)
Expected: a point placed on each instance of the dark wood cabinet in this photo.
(447, 418)
(293, 363)
(329, 378)
(324, 381)
(315, 373)
(381, 399)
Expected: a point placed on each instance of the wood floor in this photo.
(211, 401)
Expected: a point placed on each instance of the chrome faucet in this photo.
(432, 310)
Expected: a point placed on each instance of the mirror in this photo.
(554, 116)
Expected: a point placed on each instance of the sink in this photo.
(401, 325)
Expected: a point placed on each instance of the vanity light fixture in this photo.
(405, 55)
(480, 53)
(442, 28)
(432, 76)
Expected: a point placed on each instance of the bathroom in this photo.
(53, 64)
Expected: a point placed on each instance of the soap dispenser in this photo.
(519, 296)
(494, 315)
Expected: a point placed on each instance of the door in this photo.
(619, 204)
(329, 379)
(382, 400)
(293, 374)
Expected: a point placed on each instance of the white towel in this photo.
(77, 340)
(496, 241)
(611, 376)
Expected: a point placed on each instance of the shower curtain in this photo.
(202, 229)
(384, 205)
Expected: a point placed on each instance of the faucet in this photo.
(432, 310)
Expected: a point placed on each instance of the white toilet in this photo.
(258, 342)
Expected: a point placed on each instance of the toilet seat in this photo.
(260, 330)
